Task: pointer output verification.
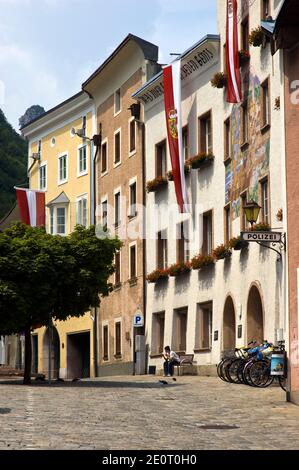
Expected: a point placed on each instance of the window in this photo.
(245, 34)
(117, 101)
(242, 212)
(117, 275)
(183, 254)
(161, 162)
(158, 333)
(180, 329)
(117, 155)
(266, 9)
(207, 233)
(245, 135)
(104, 158)
(105, 214)
(62, 168)
(185, 136)
(264, 186)
(227, 139)
(105, 343)
(82, 160)
(117, 209)
(84, 124)
(162, 254)
(204, 326)
(58, 220)
(43, 177)
(133, 259)
(205, 132)
(118, 339)
(227, 224)
(133, 199)
(82, 211)
(265, 96)
(132, 134)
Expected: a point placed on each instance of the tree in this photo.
(42, 274)
(31, 114)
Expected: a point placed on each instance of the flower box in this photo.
(222, 252)
(157, 275)
(219, 80)
(200, 161)
(202, 261)
(238, 244)
(244, 56)
(179, 268)
(156, 184)
(170, 173)
(256, 37)
(262, 227)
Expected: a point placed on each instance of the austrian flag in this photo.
(31, 207)
(172, 100)
(234, 91)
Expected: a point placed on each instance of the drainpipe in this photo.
(144, 286)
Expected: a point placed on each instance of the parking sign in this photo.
(138, 319)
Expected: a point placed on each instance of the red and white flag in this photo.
(31, 207)
(234, 87)
(172, 100)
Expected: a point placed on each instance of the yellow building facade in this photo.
(61, 164)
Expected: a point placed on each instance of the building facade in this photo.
(62, 166)
(227, 303)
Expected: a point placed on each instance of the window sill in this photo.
(117, 287)
(156, 355)
(116, 165)
(116, 225)
(106, 359)
(244, 146)
(133, 281)
(104, 174)
(131, 154)
(79, 175)
(203, 350)
(265, 128)
(61, 183)
(227, 160)
(132, 216)
(118, 356)
(116, 113)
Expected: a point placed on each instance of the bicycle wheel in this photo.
(240, 370)
(219, 366)
(232, 371)
(283, 383)
(260, 374)
(246, 373)
(223, 373)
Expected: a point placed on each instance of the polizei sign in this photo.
(272, 237)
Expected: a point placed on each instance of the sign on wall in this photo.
(262, 237)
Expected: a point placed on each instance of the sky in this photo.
(48, 48)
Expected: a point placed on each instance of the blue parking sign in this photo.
(138, 320)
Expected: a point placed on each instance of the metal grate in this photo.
(220, 427)
(5, 411)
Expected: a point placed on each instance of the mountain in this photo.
(13, 164)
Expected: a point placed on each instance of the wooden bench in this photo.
(185, 360)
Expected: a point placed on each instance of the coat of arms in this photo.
(173, 123)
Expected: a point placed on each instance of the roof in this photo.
(149, 50)
(208, 37)
(61, 199)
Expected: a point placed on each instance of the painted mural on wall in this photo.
(248, 165)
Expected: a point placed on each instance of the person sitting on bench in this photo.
(171, 358)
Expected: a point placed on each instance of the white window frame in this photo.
(105, 141)
(116, 191)
(61, 206)
(105, 323)
(116, 113)
(118, 320)
(104, 199)
(79, 199)
(118, 131)
(64, 154)
(133, 152)
(136, 255)
(131, 182)
(85, 172)
(43, 165)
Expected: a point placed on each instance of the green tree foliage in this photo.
(13, 164)
(42, 274)
(31, 114)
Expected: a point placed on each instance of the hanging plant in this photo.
(202, 261)
(157, 275)
(238, 244)
(256, 37)
(244, 56)
(262, 227)
(170, 173)
(156, 184)
(179, 268)
(201, 160)
(222, 252)
(219, 80)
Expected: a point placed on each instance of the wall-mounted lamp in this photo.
(252, 212)
(135, 110)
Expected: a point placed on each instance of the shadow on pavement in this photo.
(93, 384)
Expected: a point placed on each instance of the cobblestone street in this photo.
(141, 413)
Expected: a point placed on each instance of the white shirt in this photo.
(174, 356)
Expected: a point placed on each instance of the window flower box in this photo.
(202, 261)
(170, 173)
(256, 37)
(201, 160)
(222, 252)
(156, 184)
(219, 80)
(238, 244)
(262, 227)
(244, 57)
(179, 268)
(157, 275)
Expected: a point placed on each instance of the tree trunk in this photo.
(28, 356)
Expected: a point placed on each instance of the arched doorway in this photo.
(55, 353)
(229, 325)
(255, 316)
